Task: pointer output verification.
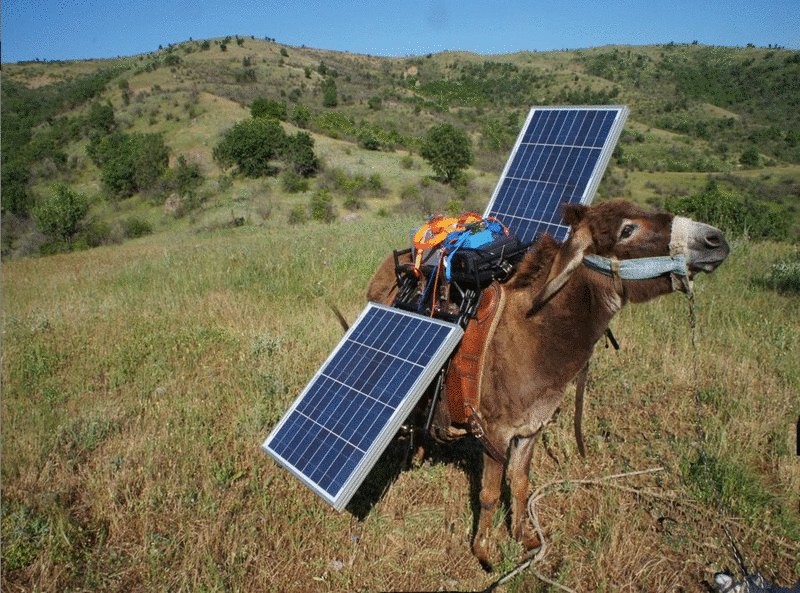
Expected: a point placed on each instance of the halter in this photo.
(645, 268)
(642, 268)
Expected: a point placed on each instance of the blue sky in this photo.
(79, 29)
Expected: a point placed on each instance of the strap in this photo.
(642, 268)
(476, 428)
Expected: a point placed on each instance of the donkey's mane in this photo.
(536, 264)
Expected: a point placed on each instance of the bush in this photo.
(262, 107)
(321, 206)
(135, 227)
(293, 183)
(784, 275)
(301, 115)
(186, 176)
(329, 94)
(750, 157)
(128, 162)
(297, 215)
(367, 139)
(735, 216)
(298, 152)
(98, 233)
(60, 215)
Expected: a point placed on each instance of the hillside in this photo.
(142, 369)
(696, 112)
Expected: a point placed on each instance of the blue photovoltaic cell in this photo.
(560, 156)
(339, 425)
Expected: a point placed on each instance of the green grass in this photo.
(139, 381)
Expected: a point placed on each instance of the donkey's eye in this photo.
(627, 231)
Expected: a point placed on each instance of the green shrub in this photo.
(97, 233)
(136, 227)
(263, 107)
(298, 152)
(322, 207)
(293, 183)
(733, 215)
(186, 176)
(60, 215)
(750, 157)
(301, 115)
(784, 275)
(128, 162)
(297, 215)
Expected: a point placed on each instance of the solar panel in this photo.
(560, 156)
(339, 425)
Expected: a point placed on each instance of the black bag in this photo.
(478, 267)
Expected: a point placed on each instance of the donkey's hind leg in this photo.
(519, 463)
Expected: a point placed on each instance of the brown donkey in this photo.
(557, 306)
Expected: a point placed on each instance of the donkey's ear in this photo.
(567, 260)
(573, 213)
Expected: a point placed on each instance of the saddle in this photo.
(463, 378)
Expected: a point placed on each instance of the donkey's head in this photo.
(647, 253)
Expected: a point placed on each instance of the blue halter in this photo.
(642, 268)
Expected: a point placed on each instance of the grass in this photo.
(139, 381)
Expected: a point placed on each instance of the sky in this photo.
(84, 29)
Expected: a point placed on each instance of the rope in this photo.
(721, 517)
(701, 434)
(545, 490)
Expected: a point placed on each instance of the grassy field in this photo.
(139, 381)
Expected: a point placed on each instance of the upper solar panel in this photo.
(560, 156)
(340, 424)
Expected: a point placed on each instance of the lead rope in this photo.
(701, 434)
(539, 554)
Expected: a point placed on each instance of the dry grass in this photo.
(139, 381)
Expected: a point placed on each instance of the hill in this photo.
(140, 376)
(696, 112)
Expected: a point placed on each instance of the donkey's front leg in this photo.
(519, 463)
(491, 483)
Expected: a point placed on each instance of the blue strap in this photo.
(471, 239)
(642, 268)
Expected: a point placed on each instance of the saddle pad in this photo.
(462, 383)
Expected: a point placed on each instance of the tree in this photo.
(60, 215)
(128, 162)
(299, 154)
(250, 145)
(448, 151)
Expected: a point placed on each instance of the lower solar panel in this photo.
(343, 420)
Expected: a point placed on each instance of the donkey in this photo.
(558, 304)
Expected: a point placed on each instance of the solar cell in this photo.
(560, 156)
(342, 421)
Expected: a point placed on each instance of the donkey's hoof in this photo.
(528, 538)
(481, 549)
(531, 542)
